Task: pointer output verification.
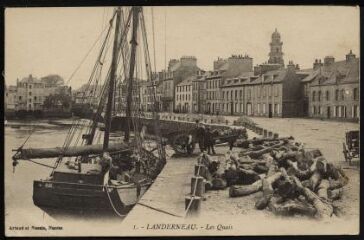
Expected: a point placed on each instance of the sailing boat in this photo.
(111, 176)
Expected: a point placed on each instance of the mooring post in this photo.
(197, 186)
(192, 206)
(200, 170)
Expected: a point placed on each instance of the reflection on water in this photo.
(19, 207)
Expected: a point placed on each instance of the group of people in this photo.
(205, 138)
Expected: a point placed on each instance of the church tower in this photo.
(276, 54)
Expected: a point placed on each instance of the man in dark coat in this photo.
(200, 135)
(209, 141)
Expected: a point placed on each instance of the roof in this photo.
(30, 79)
(336, 73)
(187, 81)
(11, 89)
(241, 79)
(274, 76)
(175, 66)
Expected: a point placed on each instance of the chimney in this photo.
(328, 60)
(291, 66)
(257, 70)
(317, 64)
(350, 56)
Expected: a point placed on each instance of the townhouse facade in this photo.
(183, 94)
(30, 94)
(199, 93)
(334, 89)
(10, 100)
(178, 70)
(224, 69)
(273, 93)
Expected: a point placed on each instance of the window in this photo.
(278, 108)
(319, 96)
(30, 100)
(355, 94)
(236, 94)
(223, 95)
(258, 108)
(19, 97)
(337, 94)
(355, 111)
(263, 108)
(327, 95)
(231, 95)
(313, 96)
(314, 110)
(275, 109)
(35, 98)
(241, 94)
(30, 86)
(276, 91)
(342, 94)
(249, 94)
(343, 111)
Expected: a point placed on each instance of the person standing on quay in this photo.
(209, 141)
(200, 135)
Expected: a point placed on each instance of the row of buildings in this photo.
(234, 86)
(330, 89)
(30, 93)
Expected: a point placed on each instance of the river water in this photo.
(20, 212)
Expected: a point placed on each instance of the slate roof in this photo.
(274, 76)
(336, 73)
(187, 81)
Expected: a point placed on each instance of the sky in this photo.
(42, 41)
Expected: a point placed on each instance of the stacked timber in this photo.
(292, 179)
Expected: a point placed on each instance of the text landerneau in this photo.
(171, 227)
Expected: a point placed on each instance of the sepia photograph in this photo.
(182, 121)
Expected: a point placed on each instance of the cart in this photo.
(351, 146)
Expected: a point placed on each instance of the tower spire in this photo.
(276, 54)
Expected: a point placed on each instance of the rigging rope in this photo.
(106, 186)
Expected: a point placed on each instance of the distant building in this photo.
(88, 94)
(30, 94)
(183, 95)
(333, 89)
(232, 94)
(139, 88)
(178, 70)
(10, 98)
(224, 69)
(199, 92)
(275, 93)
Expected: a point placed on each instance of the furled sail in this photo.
(31, 153)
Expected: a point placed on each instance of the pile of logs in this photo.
(292, 179)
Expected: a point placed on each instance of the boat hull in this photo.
(86, 198)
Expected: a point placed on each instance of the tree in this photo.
(53, 80)
(57, 101)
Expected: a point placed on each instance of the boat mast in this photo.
(136, 11)
(112, 81)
